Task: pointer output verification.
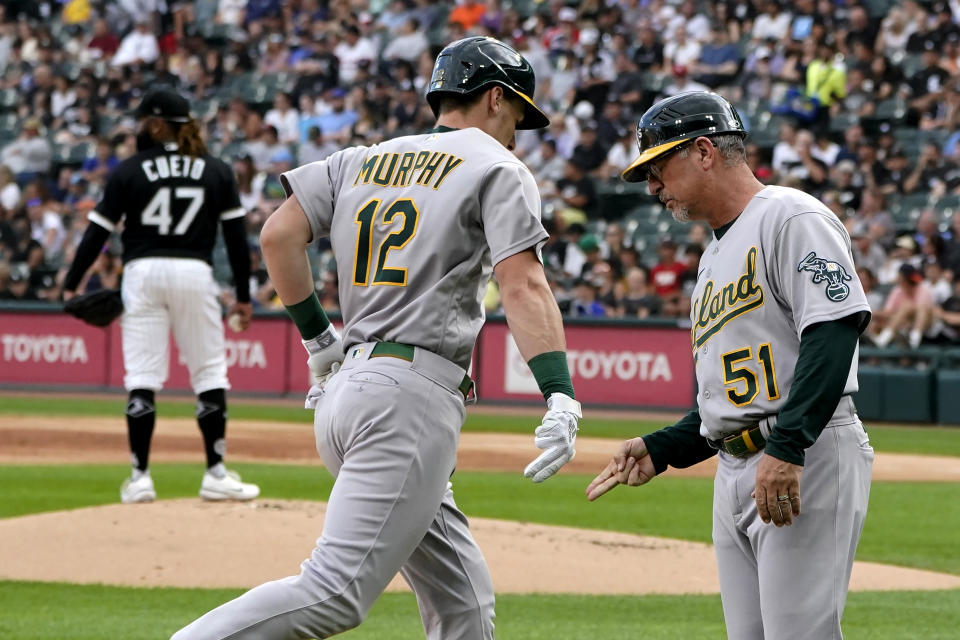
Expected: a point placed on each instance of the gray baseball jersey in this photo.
(784, 264)
(427, 216)
(416, 224)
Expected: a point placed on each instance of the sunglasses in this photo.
(655, 167)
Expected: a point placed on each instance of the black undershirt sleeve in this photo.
(823, 364)
(235, 237)
(679, 445)
(87, 252)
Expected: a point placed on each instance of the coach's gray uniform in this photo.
(784, 264)
(416, 224)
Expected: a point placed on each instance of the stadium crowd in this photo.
(856, 103)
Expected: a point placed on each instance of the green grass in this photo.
(39, 611)
(909, 524)
(943, 441)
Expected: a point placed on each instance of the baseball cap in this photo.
(164, 103)
(910, 272)
(589, 242)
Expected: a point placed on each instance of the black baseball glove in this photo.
(98, 308)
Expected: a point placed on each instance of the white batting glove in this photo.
(556, 435)
(325, 355)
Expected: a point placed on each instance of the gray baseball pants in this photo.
(387, 429)
(790, 583)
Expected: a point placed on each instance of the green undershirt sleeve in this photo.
(309, 317)
(551, 373)
(823, 364)
(679, 445)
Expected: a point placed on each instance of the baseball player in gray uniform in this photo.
(417, 223)
(776, 313)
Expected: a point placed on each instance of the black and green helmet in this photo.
(679, 119)
(472, 64)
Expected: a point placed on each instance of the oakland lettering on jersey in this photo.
(713, 310)
(425, 168)
(173, 166)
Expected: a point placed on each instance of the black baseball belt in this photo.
(405, 352)
(743, 443)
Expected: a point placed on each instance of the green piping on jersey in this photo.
(713, 311)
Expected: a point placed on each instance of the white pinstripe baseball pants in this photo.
(178, 294)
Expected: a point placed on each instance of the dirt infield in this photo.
(168, 543)
(42, 440)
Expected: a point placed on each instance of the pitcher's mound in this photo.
(189, 543)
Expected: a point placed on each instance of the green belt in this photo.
(405, 352)
(740, 444)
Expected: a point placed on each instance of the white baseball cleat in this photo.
(219, 483)
(138, 488)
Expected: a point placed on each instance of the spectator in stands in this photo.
(409, 43)
(667, 276)
(104, 43)
(719, 59)
(589, 153)
(9, 191)
(681, 82)
(826, 82)
(772, 23)
(948, 314)
(937, 279)
(584, 301)
(96, 167)
(315, 148)
(546, 165)
(264, 147)
(875, 298)
(874, 216)
(46, 225)
(930, 172)
(285, 118)
(336, 123)
(577, 191)
(18, 285)
(139, 47)
(351, 51)
(867, 253)
(613, 243)
(785, 154)
(681, 50)
(909, 308)
(824, 149)
(648, 54)
(249, 183)
(621, 154)
(30, 154)
(639, 300)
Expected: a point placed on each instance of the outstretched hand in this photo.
(630, 465)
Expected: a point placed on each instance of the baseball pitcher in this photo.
(171, 197)
(775, 316)
(417, 224)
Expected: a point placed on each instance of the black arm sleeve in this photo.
(235, 237)
(823, 364)
(680, 445)
(87, 252)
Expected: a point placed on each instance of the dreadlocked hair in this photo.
(189, 141)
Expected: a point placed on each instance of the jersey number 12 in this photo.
(157, 212)
(407, 213)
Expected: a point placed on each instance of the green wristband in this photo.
(551, 373)
(309, 317)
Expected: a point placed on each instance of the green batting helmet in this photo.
(677, 119)
(472, 64)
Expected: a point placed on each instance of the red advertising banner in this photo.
(610, 365)
(40, 348)
(256, 358)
